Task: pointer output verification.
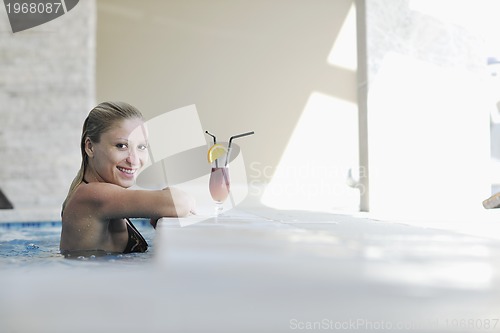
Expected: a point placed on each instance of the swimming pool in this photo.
(24, 243)
(271, 272)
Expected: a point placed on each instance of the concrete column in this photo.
(362, 96)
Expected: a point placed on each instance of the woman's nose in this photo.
(133, 157)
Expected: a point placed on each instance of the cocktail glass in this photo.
(219, 184)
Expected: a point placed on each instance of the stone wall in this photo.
(47, 84)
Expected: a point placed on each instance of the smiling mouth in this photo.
(127, 171)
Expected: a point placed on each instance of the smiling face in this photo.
(119, 155)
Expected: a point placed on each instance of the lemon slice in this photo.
(215, 152)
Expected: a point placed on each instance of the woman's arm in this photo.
(492, 202)
(111, 201)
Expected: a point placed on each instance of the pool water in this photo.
(38, 242)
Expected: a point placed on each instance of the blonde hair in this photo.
(100, 119)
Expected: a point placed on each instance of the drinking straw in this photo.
(213, 136)
(215, 141)
(231, 141)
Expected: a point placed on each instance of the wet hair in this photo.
(100, 119)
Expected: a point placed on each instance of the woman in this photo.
(96, 211)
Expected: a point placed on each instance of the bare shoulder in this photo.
(87, 197)
(94, 193)
(105, 197)
(98, 191)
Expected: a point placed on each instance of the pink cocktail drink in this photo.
(219, 156)
(219, 184)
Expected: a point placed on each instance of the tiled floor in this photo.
(272, 271)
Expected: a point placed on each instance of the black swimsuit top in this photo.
(135, 243)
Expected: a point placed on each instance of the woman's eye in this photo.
(121, 145)
(143, 147)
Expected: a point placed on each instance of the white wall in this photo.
(247, 65)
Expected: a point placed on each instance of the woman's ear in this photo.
(89, 148)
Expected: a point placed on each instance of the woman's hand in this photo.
(183, 202)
